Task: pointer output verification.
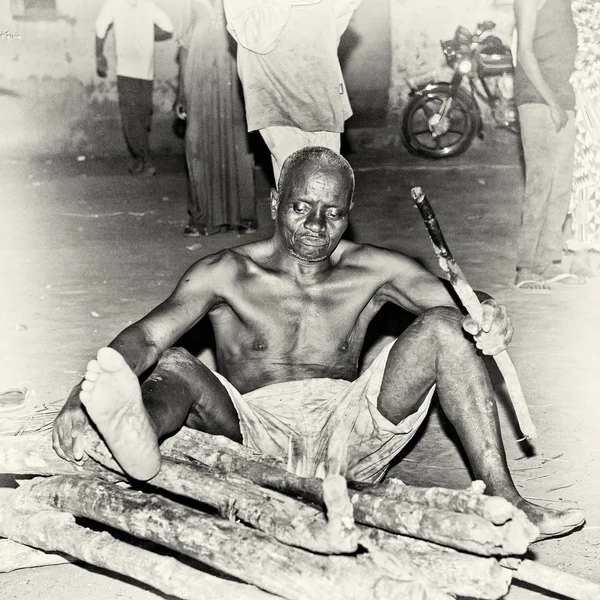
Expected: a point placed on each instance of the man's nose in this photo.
(315, 221)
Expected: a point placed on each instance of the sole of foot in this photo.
(112, 397)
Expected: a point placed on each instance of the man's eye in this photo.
(334, 214)
(299, 208)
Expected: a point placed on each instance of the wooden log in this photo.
(470, 501)
(457, 573)
(553, 580)
(244, 553)
(15, 556)
(469, 533)
(286, 519)
(57, 531)
(460, 531)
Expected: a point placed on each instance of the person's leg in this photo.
(132, 419)
(537, 136)
(283, 141)
(126, 92)
(551, 243)
(135, 103)
(146, 108)
(329, 139)
(434, 349)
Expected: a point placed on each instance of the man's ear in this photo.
(274, 203)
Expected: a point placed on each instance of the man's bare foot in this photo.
(552, 522)
(112, 397)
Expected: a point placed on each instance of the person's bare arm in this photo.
(414, 288)
(142, 343)
(102, 26)
(526, 18)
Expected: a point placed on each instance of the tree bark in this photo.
(57, 531)
(246, 554)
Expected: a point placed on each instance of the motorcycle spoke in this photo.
(421, 131)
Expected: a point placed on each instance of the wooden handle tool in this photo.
(471, 303)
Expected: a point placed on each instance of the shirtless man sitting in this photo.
(289, 315)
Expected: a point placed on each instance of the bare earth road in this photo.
(86, 250)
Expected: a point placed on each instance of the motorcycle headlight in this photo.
(464, 66)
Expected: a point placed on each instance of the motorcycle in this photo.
(441, 118)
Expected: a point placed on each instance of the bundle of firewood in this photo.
(263, 531)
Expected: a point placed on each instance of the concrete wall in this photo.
(52, 102)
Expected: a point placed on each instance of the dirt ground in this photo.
(87, 250)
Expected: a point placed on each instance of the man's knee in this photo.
(444, 322)
(178, 360)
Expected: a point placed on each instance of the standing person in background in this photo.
(546, 48)
(583, 226)
(288, 62)
(137, 25)
(220, 164)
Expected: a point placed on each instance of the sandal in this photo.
(567, 279)
(531, 286)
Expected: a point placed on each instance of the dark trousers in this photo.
(135, 104)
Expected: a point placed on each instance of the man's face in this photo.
(311, 214)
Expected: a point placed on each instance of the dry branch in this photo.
(14, 556)
(57, 531)
(229, 547)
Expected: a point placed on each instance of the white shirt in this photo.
(288, 63)
(133, 22)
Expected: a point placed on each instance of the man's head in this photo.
(312, 205)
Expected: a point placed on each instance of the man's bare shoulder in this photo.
(226, 265)
(370, 256)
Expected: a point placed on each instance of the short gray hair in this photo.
(320, 154)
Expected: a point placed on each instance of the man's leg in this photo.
(551, 243)
(434, 349)
(132, 419)
(285, 140)
(538, 137)
(134, 97)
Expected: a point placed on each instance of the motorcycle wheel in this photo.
(418, 138)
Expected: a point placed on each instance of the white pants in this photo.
(283, 141)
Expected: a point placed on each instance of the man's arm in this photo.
(416, 289)
(526, 18)
(257, 24)
(104, 22)
(142, 343)
(163, 27)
